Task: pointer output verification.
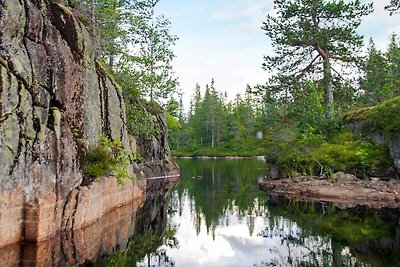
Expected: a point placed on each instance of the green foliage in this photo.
(382, 119)
(309, 109)
(172, 123)
(375, 83)
(382, 75)
(155, 54)
(139, 115)
(147, 69)
(314, 153)
(393, 58)
(142, 71)
(248, 150)
(108, 158)
(309, 38)
(216, 127)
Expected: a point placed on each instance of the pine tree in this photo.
(310, 38)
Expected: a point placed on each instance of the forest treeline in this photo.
(319, 72)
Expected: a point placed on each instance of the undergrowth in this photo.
(311, 152)
(108, 158)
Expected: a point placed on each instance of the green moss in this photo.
(152, 107)
(383, 119)
(105, 69)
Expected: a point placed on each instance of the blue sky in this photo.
(222, 39)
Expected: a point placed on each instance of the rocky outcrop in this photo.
(82, 245)
(378, 138)
(56, 101)
(381, 125)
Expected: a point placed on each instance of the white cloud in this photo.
(245, 16)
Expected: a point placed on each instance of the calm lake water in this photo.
(218, 217)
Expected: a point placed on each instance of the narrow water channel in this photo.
(220, 218)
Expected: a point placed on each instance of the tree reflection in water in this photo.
(294, 233)
(223, 219)
(325, 235)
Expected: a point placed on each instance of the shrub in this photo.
(108, 158)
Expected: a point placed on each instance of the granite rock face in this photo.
(56, 101)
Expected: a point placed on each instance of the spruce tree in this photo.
(374, 85)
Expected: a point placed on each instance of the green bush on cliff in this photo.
(140, 116)
(108, 158)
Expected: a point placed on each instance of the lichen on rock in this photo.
(55, 103)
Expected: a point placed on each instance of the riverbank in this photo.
(343, 189)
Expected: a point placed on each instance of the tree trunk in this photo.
(212, 137)
(328, 88)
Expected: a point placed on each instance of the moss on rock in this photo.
(383, 118)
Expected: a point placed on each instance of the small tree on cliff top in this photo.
(312, 36)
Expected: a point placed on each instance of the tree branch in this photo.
(341, 77)
(307, 68)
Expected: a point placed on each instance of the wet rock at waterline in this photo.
(56, 101)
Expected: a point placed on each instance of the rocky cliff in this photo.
(56, 101)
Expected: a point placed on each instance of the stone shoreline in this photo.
(343, 189)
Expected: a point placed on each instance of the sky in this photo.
(223, 39)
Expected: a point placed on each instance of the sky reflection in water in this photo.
(222, 219)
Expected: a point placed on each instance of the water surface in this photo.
(222, 219)
(217, 216)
